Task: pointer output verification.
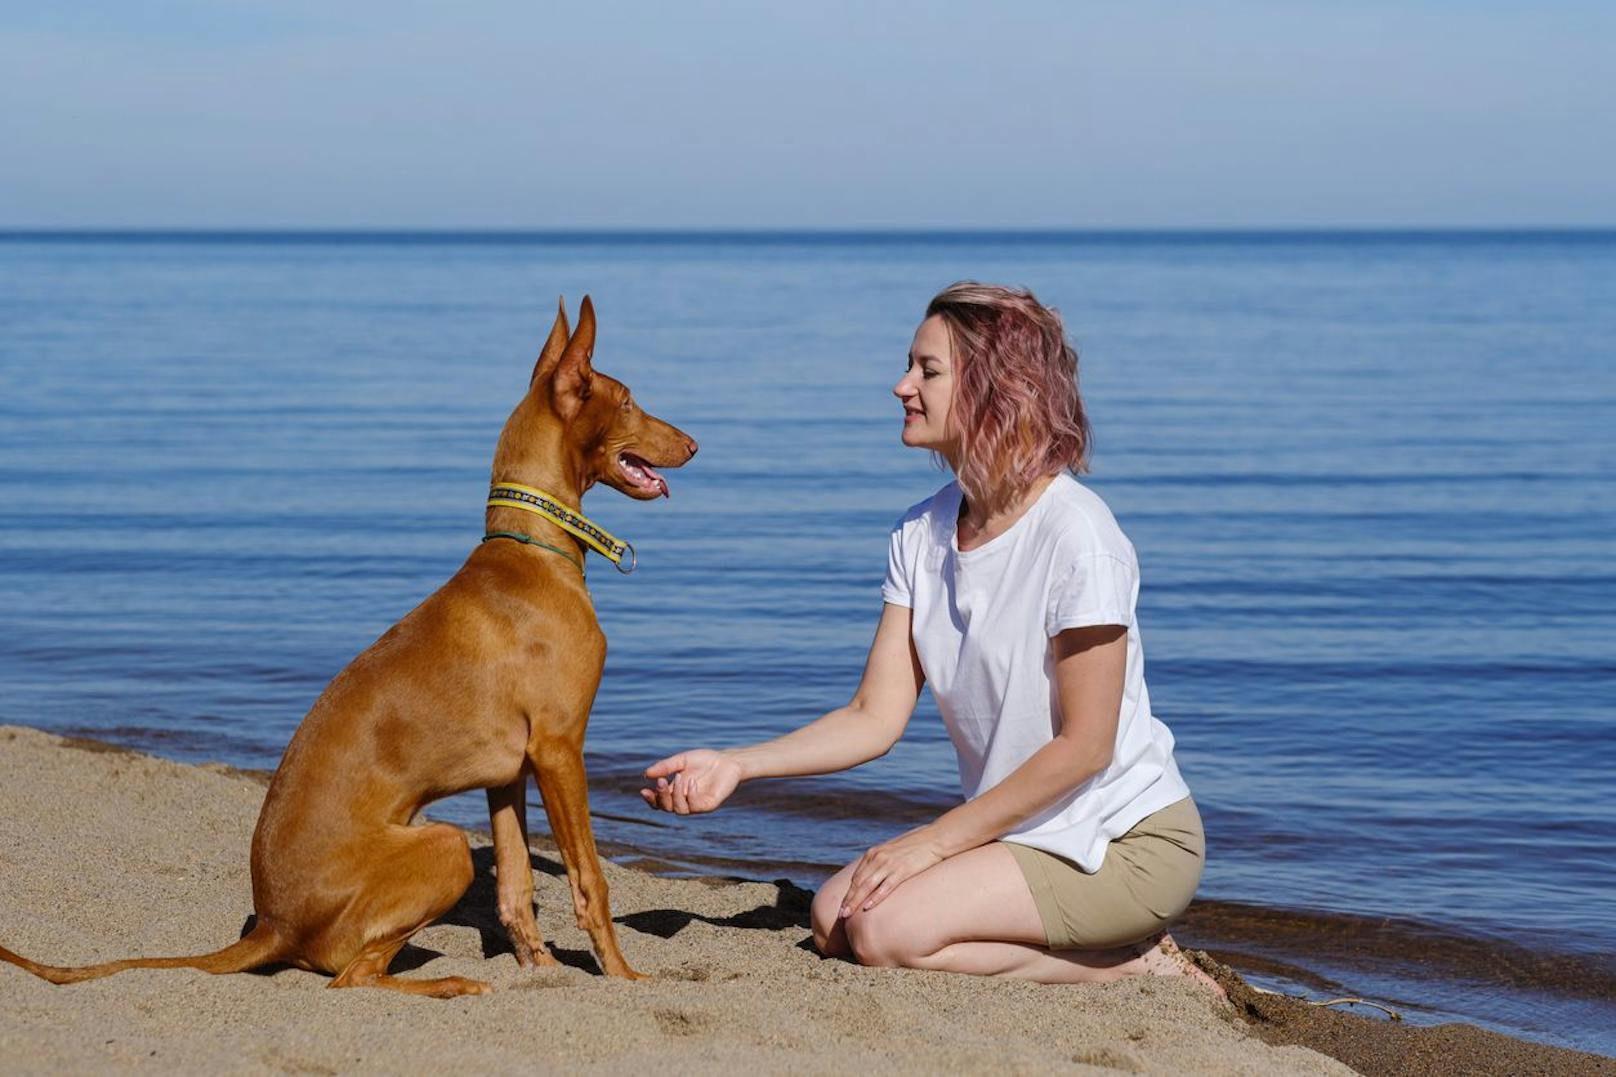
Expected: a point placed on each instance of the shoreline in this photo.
(106, 852)
(1429, 972)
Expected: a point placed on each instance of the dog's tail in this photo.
(260, 946)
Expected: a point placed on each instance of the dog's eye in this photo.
(628, 402)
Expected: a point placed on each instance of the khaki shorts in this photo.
(1147, 879)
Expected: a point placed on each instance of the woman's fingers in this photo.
(881, 871)
(865, 877)
(861, 901)
(879, 894)
(673, 781)
(666, 766)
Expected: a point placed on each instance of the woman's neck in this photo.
(977, 525)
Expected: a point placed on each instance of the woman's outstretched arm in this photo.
(871, 723)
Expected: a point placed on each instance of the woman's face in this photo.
(926, 389)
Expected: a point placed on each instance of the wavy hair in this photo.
(1016, 407)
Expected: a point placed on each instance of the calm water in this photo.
(1369, 479)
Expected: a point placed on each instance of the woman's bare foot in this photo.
(1164, 958)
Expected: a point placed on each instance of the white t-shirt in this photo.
(982, 626)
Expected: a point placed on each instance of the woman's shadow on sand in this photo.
(479, 908)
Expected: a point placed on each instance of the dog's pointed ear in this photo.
(569, 387)
(554, 345)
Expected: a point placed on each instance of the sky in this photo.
(824, 115)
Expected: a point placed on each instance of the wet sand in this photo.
(106, 853)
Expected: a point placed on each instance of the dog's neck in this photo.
(567, 489)
(551, 510)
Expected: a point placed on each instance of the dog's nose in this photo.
(690, 443)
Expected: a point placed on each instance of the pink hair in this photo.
(1016, 406)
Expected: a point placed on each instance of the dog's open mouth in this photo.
(641, 475)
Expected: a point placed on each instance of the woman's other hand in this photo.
(692, 782)
(884, 868)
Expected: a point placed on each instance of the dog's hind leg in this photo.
(419, 879)
(369, 969)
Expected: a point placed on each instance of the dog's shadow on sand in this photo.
(479, 908)
(790, 910)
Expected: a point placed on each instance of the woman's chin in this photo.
(916, 440)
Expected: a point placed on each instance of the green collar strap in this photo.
(529, 540)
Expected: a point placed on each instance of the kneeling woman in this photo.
(1011, 592)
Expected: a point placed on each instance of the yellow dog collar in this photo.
(528, 499)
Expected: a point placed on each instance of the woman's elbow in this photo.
(881, 727)
(880, 743)
(1086, 760)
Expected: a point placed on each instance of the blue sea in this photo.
(1369, 477)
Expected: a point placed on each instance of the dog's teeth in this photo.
(642, 476)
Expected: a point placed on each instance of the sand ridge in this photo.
(107, 854)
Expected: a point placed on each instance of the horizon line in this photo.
(511, 234)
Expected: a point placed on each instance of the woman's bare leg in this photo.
(973, 913)
(1159, 956)
(830, 933)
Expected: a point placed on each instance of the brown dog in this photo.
(487, 681)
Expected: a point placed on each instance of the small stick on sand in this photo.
(1387, 1010)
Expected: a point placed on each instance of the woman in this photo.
(1011, 592)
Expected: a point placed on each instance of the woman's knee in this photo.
(824, 916)
(881, 938)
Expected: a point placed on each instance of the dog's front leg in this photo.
(507, 813)
(562, 784)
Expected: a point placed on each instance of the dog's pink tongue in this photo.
(652, 474)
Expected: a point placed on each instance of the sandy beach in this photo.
(106, 853)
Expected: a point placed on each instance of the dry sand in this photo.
(107, 853)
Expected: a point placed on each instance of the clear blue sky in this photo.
(830, 114)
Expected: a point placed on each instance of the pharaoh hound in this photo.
(485, 683)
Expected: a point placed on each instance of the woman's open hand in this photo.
(692, 782)
(885, 867)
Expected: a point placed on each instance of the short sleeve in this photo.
(896, 589)
(1095, 589)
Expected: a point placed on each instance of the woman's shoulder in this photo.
(1081, 524)
(943, 505)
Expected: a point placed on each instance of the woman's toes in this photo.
(1182, 964)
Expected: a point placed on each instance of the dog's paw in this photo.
(527, 944)
(539, 957)
(454, 987)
